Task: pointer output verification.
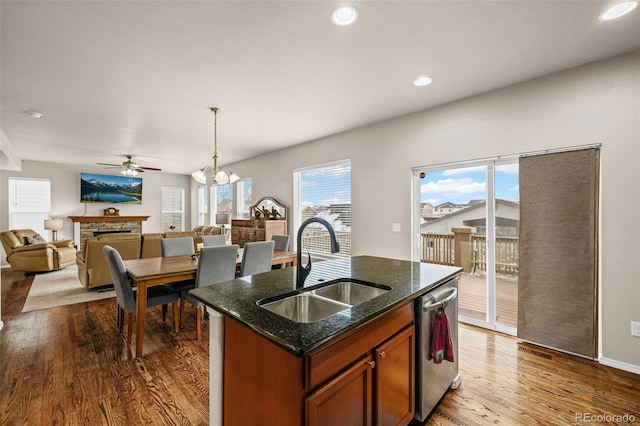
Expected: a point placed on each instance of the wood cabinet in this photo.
(362, 377)
(378, 389)
(252, 230)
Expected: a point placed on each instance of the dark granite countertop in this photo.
(237, 298)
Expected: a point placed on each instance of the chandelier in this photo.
(218, 176)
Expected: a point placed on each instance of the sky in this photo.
(327, 185)
(464, 184)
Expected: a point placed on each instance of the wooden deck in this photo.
(472, 299)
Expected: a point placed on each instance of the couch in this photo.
(92, 266)
(26, 252)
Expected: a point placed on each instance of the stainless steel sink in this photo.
(305, 307)
(349, 292)
(321, 301)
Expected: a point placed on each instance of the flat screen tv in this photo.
(110, 189)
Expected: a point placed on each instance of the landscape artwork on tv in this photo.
(110, 189)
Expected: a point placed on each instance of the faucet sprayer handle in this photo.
(308, 267)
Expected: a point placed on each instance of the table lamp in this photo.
(223, 219)
(53, 225)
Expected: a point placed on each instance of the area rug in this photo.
(60, 288)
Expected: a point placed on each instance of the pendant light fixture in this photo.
(218, 176)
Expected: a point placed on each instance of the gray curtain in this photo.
(557, 282)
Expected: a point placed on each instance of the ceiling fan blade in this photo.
(109, 164)
(150, 168)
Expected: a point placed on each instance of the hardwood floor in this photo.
(69, 366)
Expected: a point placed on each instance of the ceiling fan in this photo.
(129, 167)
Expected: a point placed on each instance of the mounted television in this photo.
(110, 189)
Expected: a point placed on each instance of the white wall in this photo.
(595, 103)
(65, 195)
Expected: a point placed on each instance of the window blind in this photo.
(557, 285)
(324, 191)
(172, 209)
(29, 203)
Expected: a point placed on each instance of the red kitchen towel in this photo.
(441, 344)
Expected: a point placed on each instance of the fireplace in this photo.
(86, 226)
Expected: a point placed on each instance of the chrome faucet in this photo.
(303, 271)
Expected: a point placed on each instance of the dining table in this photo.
(147, 272)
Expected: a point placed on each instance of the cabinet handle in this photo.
(371, 363)
(382, 354)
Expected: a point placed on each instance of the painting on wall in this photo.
(95, 188)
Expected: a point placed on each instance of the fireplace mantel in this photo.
(84, 219)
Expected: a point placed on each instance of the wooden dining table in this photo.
(152, 271)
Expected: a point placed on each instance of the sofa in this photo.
(27, 251)
(93, 270)
(92, 266)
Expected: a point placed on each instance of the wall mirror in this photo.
(268, 208)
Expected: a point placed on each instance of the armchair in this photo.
(37, 257)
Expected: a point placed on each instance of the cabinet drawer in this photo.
(327, 360)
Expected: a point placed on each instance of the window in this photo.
(172, 209)
(222, 197)
(324, 191)
(29, 203)
(203, 204)
(243, 189)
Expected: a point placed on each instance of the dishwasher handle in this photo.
(432, 305)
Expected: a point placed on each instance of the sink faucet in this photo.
(303, 271)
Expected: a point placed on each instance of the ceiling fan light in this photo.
(129, 172)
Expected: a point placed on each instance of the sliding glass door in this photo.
(467, 215)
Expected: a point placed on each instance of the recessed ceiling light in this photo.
(422, 81)
(618, 10)
(34, 114)
(344, 15)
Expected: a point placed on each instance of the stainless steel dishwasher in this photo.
(433, 380)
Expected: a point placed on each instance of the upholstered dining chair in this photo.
(256, 257)
(177, 246)
(126, 294)
(216, 264)
(282, 244)
(213, 240)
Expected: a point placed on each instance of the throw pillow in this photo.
(36, 239)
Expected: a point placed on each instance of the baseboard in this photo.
(632, 368)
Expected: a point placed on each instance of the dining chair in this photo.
(282, 244)
(126, 294)
(213, 240)
(177, 246)
(216, 264)
(256, 257)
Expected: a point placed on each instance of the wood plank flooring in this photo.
(69, 366)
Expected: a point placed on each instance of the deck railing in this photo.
(438, 248)
(441, 249)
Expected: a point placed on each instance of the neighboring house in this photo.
(507, 219)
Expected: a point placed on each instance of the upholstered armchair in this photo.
(25, 252)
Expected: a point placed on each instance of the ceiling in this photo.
(138, 77)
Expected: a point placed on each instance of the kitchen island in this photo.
(267, 369)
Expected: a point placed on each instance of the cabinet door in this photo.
(394, 392)
(345, 400)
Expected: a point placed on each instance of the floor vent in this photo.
(532, 352)
(451, 419)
